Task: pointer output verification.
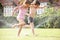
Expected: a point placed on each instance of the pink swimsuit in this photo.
(22, 12)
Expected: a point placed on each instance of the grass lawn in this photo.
(26, 34)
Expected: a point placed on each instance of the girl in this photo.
(21, 16)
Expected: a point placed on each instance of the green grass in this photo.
(26, 34)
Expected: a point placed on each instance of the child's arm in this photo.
(27, 14)
(14, 10)
(43, 7)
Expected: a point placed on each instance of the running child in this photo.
(33, 8)
(21, 16)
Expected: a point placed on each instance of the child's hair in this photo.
(21, 2)
(27, 2)
(37, 3)
(30, 0)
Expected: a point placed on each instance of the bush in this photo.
(52, 16)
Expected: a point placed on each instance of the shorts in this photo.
(30, 20)
(21, 19)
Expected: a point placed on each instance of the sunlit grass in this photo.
(26, 34)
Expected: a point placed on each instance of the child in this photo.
(21, 16)
(33, 8)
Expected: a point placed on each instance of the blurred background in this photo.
(48, 17)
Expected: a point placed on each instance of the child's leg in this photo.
(32, 27)
(20, 28)
(26, 26)
(14, 25)
(32, 24)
